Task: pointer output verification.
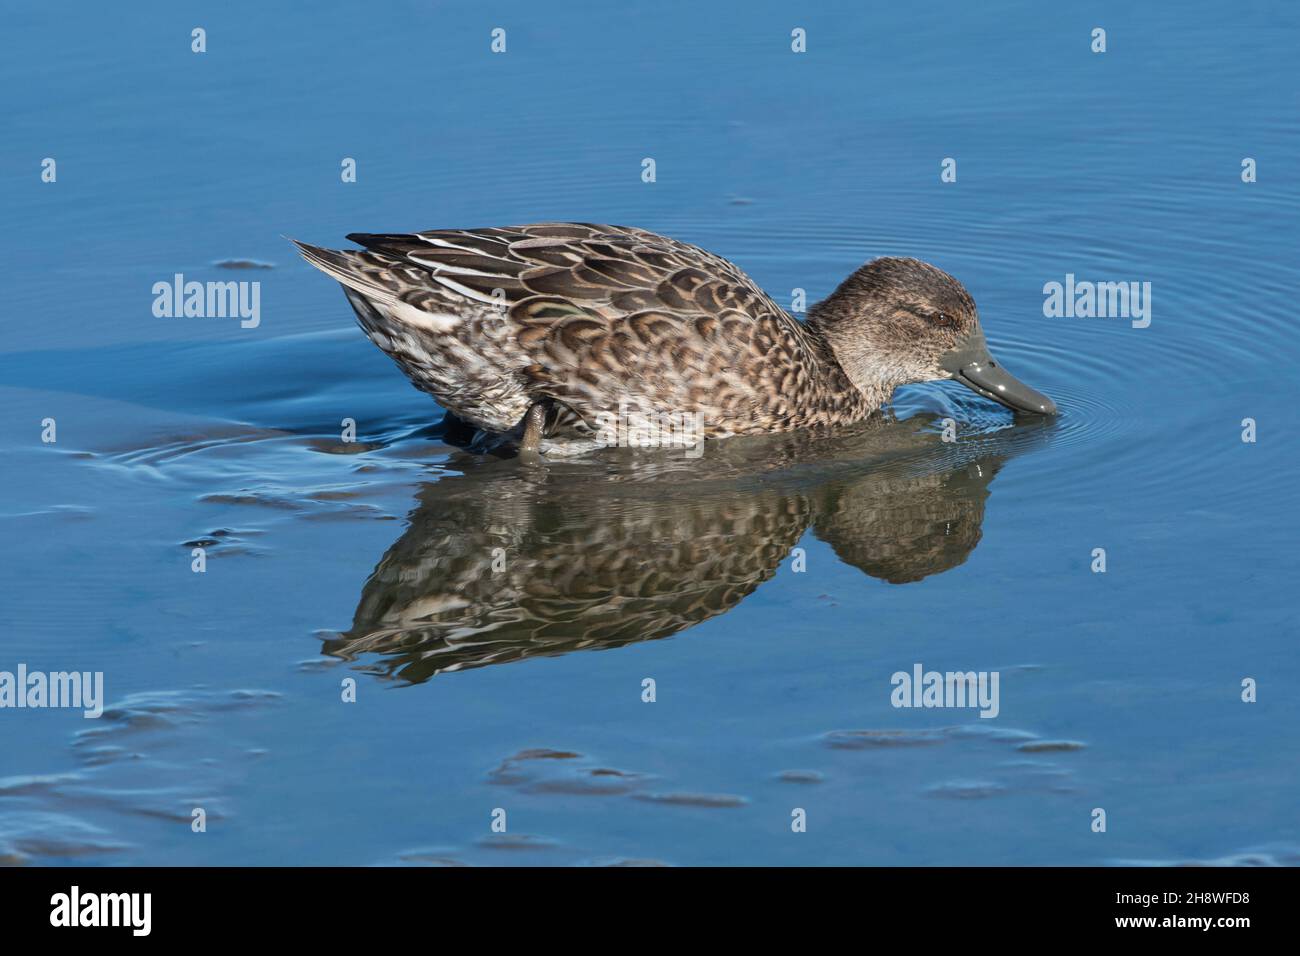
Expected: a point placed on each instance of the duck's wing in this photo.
(586, 262)
(601, 313)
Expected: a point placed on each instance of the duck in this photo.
(539, 333)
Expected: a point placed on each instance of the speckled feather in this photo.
(489, 321)
(610, 574)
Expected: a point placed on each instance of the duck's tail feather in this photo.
(401, 291)
(363, 271)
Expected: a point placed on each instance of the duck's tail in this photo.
(396, 289)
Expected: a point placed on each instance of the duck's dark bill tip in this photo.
(991, 380)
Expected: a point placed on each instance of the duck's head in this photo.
(899, 321)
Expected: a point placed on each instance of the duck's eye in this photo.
(943, 320)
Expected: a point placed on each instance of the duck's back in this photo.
(596, 320)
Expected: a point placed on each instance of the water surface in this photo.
(520, 687)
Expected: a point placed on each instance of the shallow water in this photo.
(520, 686)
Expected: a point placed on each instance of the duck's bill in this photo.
(975, 368)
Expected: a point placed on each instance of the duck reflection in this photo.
(502, 562)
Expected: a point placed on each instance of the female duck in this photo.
(541, 330)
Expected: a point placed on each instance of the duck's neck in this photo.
(868, 369)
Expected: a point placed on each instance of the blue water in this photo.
(522, 689)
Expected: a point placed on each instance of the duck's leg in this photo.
(530, 442)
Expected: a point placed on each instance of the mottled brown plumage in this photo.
(594, 320)
(492, 570)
